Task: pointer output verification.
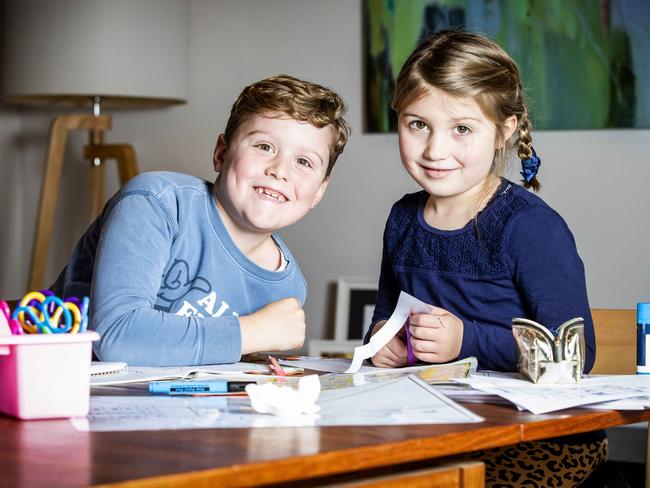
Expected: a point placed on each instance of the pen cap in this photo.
(643, 313)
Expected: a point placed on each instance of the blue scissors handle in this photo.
(47, 320)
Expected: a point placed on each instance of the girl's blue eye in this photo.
(264, 146)
(462, 130)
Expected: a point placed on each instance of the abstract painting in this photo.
(584, 63)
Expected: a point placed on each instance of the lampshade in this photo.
(131, 53)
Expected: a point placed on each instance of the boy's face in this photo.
(272, 172)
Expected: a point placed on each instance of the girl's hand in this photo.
(436, 336)
(393, 354)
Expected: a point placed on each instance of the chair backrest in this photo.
(615, 341)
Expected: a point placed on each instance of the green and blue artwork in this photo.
(584, 63)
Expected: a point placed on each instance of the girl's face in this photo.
(447, 144)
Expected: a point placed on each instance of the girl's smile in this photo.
(438, 173)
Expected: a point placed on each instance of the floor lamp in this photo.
(91, 55)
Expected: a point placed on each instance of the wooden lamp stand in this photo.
(97, 152)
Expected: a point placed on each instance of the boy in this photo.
(181, 271)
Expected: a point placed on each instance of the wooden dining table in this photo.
(47, 453)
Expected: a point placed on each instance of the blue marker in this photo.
(198, 387)
(643, 338)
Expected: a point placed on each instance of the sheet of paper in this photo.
(403, 401)
(405, 305)
(637, 403)
(549, 398)
(136, 374)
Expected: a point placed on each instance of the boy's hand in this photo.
(436, 336)
(278, 326)
(393, 354)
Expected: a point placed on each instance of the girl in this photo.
(478, 248)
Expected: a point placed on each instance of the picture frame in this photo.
(355, 304)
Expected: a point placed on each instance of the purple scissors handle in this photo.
(4, 310)
(410, 357)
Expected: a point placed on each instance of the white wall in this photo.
(596, 179)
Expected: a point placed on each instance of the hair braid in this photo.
(524, 146)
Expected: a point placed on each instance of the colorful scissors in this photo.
(42, 312)
(5, 319)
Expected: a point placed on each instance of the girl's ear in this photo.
(219, 153)
(509, 128)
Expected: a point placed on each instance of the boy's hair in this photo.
(463, 64)
(300, 100)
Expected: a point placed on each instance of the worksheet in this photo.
(402, 401)
(539, 399)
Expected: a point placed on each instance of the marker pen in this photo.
(643, 338)
(198, 387)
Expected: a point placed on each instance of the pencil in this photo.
(275, 367)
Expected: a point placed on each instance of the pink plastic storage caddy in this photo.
(45, 376)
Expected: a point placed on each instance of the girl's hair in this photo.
(299, 99)
(463, 64)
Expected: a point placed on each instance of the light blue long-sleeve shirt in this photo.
(166, 282)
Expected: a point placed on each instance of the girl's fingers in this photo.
(397, 346)
(384, 360)
(424, 346)
(429, 320)
(430, 357)
(437, 310)
(391, 355)
(426, 333)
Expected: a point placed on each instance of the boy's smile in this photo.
(272, 173)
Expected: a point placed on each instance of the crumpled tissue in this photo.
(284, 400)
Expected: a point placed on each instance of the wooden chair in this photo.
(615, 341)
(616, 349)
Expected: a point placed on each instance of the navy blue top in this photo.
(518, 258)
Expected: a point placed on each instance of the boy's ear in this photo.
(320, 192)
(509, 127)
(219, 153)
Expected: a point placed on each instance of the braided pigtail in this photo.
(530, 162)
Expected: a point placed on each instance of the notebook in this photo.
(98, 368)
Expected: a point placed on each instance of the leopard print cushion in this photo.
(541, 464)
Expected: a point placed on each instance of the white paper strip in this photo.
(405, 305)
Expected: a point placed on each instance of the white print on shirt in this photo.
(177, 283)
(207, 302)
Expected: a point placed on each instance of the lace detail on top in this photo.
(477, 249)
